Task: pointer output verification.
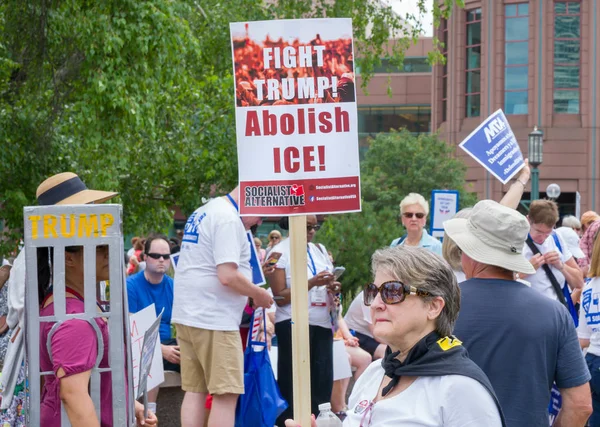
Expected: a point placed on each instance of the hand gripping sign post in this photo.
(495, 147)
(88, 226)
(297, 141)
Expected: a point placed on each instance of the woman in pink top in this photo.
(74, 350)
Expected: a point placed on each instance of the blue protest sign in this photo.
(444, 205)
(495, 147)
(258, 278)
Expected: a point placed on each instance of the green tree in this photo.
(397, 163)
(136, 96)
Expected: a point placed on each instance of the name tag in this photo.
(318, 297)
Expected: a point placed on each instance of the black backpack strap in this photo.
(546, 267)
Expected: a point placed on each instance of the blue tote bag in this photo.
(261, 403)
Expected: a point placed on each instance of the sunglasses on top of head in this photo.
(158, 256)
(392, 292)
(419, 215)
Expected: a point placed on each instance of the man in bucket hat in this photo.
(523, 341)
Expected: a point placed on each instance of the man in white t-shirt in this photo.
(211, 289)
(543, 215)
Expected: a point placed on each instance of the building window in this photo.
(380, 119)
(516, 58)
(411, 64)
(444, 39)
(473, 67)
(567, 56)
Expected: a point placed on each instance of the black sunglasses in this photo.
(158, 256)
(419, 215)
(392, 292)
(313, 227)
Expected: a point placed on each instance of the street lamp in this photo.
(536, 140)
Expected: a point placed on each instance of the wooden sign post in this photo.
(300, 333)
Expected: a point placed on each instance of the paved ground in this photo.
(168, 406)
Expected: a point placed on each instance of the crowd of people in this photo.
(498, 325)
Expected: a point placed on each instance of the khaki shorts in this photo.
(211, 361)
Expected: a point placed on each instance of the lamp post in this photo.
(535, 143)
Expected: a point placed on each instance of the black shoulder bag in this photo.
(546, 267)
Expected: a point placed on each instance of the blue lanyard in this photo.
(235, 205)
(312, 269)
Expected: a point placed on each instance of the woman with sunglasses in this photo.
(413, 210)
(72, 364)
(320, 303)
(426, 377)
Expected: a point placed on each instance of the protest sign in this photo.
(149, 346)
(296, 117)
(495, 147)
(444, 205)
(141, 322)
(258, 277)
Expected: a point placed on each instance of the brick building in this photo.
(538, 61)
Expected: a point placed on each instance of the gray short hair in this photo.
(427, 271)
(571, 221)
(450, 251)
(414, 199)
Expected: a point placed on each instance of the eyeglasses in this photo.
(158, 256)
(392, 292)
(313, 227)
(419, 215)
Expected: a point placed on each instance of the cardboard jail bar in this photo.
(89, 226)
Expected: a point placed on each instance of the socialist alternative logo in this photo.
(274, 196)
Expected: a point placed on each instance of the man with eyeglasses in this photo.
(413, 210)
(154, 286)
(549, 254)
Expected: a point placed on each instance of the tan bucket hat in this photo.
(68, 189)
(493, 235)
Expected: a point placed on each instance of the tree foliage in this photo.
(396, 164)
(136, 96)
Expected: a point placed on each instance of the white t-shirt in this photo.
(539, 281)
(449, 401)
(355, 316)
(318, 302)
(213, 235)
(589, 315)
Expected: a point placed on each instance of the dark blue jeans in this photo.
(593, 363)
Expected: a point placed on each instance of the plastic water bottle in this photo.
(327, 418)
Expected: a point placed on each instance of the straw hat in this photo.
(493, 235)
(68, 189)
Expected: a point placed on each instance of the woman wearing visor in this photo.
(426, 377)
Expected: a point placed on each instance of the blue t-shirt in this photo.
(142, 293)
(523, 341)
